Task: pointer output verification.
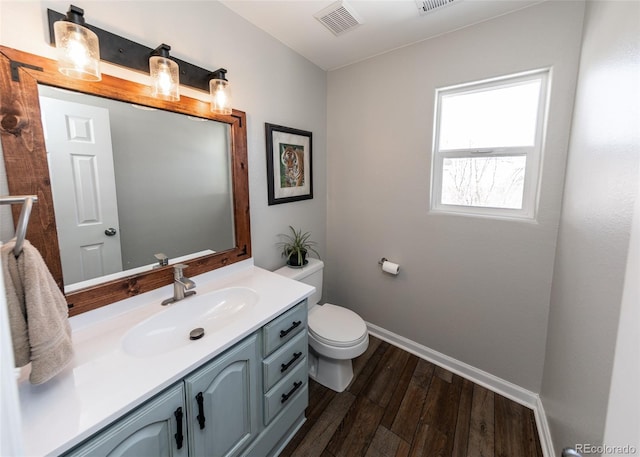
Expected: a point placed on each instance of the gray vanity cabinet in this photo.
(284, 381)
(223, 406)
(246, 402)
(157, 429)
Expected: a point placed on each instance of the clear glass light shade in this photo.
(165, 78)
(220, 96)
(78, 51)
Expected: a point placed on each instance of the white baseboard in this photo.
(480, 377)
(546, 442)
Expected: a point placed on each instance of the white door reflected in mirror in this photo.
(80, 156)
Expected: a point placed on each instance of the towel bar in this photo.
(27, 202)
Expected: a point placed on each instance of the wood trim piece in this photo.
(25, 158)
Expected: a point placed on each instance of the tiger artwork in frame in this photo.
(289, 164)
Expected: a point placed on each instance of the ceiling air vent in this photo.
(339, 18)
(427, 6)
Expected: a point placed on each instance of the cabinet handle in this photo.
(296, 386)
(285, 366)
(295, 325)
(201, 419)
(179, 436)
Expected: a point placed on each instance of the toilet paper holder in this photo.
(389, 267)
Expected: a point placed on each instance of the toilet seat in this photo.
(336, 326)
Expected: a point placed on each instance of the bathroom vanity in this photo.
(241, 389)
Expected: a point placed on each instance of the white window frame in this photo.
(533, 153)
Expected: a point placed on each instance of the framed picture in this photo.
(289, 176)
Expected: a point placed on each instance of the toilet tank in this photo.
(310, 274)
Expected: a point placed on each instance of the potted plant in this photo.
(296, 246)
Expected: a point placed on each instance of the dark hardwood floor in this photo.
(399, 405)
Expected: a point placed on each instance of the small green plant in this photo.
(296, 246)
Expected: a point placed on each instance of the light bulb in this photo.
(221, 97)
(164, 72)
(78, 47)
(220, 91)
(164, 79)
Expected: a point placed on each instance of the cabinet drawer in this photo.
(282, 428)
(285, 327)
(284, 360)
(284, 392)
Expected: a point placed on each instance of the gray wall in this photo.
(475, 289)
(623, 416)
(593, 242)
(270, 82)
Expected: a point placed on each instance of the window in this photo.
(487, 146)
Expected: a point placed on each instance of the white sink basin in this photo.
(169, 330)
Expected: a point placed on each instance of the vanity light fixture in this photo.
(78, 47)
(220, 92)
(164, 72)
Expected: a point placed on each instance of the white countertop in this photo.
(103, 382)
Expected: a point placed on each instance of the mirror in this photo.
(125, 179)
(23, 144)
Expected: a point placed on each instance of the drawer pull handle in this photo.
(295, 325)
(285, 366)
(296, 386)
(200, 417)
(179, 436)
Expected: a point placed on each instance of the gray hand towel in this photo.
(38, 313)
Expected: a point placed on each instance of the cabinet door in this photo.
(156, 429)
(223, 402)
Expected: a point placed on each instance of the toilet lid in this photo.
(336, 325)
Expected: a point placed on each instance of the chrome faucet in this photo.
(163, 260)
(181, 285)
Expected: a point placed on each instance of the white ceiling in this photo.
(388, 24)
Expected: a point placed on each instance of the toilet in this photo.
(336, 334)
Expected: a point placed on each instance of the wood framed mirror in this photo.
(25, 157)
